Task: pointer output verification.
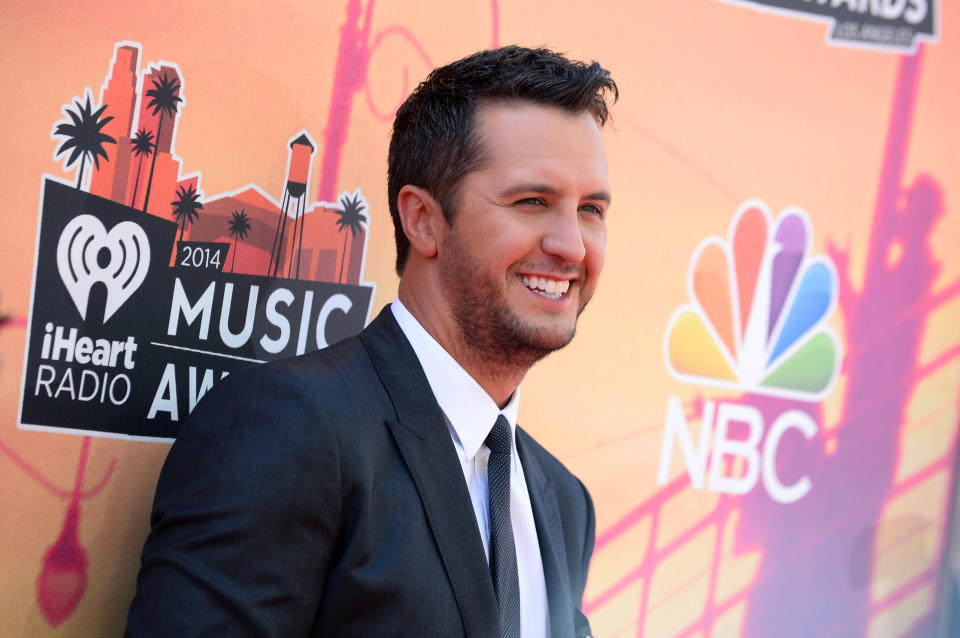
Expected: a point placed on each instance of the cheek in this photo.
(595, 245)
(510, 249)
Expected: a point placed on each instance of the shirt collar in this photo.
(467, 406)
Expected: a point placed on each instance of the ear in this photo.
(421, 218)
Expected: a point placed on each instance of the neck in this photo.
(499, 378)
(497, 371)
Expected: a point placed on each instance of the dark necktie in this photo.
(503, 554)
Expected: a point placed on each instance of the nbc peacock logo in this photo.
(758, 312)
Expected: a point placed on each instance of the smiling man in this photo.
(500, 279)
(381, 487)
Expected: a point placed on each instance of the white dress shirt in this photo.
(470, 414)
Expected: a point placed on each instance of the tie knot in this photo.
(499, 438)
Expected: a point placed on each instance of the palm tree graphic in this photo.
(349, 219)
(163, 100)
(239, 227)
(83, 135)
(142, 145)
(186, 207)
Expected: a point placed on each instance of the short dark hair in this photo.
(434, 144)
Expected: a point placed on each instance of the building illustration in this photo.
(290, 238)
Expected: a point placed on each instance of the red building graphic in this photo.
(291, 238)
(111, 180)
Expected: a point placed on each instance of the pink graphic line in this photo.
(929, 303)
(647, 562)
(638, 513)
(938, 362)
(351, 74)
(908, 378)
(903, 298)
(648, 557)
(63, 577)
(405, 33)
(922, 307)
(926, 419)
(81, 468)
(13, 322)
(723, 513)
(698, 169)
(798, 553)
(715, 517)
(842, 629)
(59, 491)
(690, 409)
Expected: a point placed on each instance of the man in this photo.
(380, 487)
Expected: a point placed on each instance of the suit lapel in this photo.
(424, 442)
(546, 516)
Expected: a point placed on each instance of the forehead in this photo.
(525, 140)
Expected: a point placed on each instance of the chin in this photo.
(544, 339)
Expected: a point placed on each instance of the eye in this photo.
(593, 209)
(531, 201)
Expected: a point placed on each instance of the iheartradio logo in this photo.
(87, 254)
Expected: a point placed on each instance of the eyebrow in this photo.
(527, 187)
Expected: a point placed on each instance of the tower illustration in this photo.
(299, 165)
(110, 179)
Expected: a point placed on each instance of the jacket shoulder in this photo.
(551, 465)
(326, 378)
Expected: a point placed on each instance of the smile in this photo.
(549, 288)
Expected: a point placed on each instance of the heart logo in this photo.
(87, 254)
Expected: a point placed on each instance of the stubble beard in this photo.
(492, 335)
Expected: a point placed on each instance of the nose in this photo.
(563, 237)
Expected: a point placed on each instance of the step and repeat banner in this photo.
(763, 397)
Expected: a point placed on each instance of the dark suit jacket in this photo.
(322, 496)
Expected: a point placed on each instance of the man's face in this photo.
(524, 251)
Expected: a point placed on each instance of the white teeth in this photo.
(550, 288)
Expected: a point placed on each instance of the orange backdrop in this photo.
(719, 104)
